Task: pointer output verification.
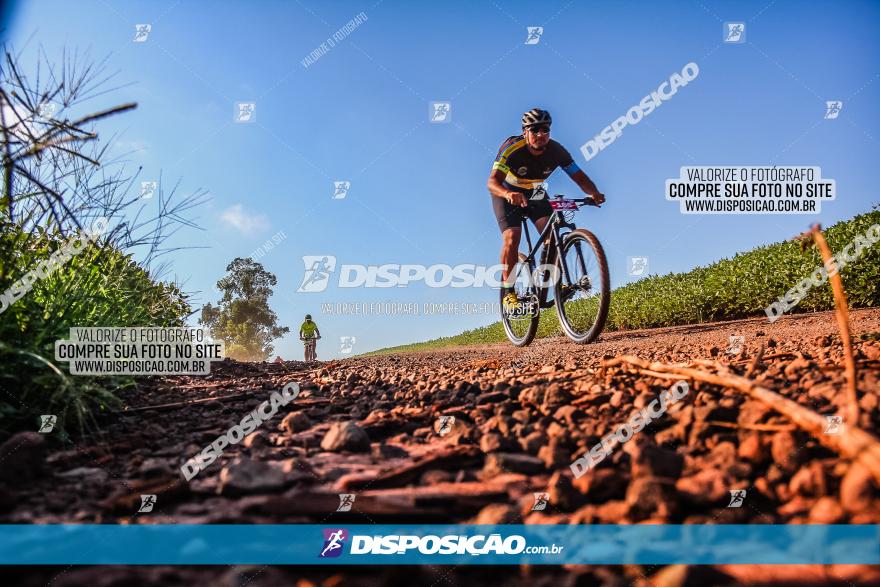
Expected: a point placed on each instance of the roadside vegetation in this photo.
(242, 318)
(58, 179)
(739, 287)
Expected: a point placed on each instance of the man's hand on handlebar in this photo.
(516, 199)
(598, 198)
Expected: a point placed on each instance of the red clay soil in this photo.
(521, 417)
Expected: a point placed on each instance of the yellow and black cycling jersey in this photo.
(525, 171)
(308, 329)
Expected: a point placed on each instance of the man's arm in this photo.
(587, 185)
(497, 189)
(577, 175)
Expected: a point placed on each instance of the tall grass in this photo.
(100, 286)
(58, 176)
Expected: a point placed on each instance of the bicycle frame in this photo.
(552, 229)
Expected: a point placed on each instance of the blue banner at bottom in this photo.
(82, 544)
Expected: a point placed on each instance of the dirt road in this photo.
(374, 427)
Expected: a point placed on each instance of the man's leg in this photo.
(509, 251)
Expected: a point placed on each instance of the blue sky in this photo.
(360, 114)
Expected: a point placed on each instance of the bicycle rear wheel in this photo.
(522, 326)
(582, 300)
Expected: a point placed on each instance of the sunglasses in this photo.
(540, 130)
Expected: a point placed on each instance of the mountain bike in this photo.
(310, 343)
(573, 267)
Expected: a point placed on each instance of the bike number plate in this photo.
(563, 205)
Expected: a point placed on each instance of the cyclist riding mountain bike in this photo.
(522, 164)
(309, 333)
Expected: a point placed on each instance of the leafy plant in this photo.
(243, 319)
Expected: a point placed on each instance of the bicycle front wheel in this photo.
(521, 326)
(583, 289)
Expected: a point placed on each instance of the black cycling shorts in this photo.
(510, 216)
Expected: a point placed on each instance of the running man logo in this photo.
(245, 112)
(346, 500)
(333, 542)
(734, 32)
(346, 344)
(833, 424)
(148, 188)
(534, 33)
(147, 503)
(638, 266)
(832, 109)
(541, 500)
(47, 423)
(444, 424)
(340, 189)
(737, 497)
(735, 344)
(318, 269)
(46, 110)
(141, 32)
(441, 112)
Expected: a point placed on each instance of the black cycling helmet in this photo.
(536, 116)
(308, 316)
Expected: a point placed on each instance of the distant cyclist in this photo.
(309, 333)
(524, 162)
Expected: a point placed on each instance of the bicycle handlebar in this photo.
(584, 201)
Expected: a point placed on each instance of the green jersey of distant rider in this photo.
(309, 329)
